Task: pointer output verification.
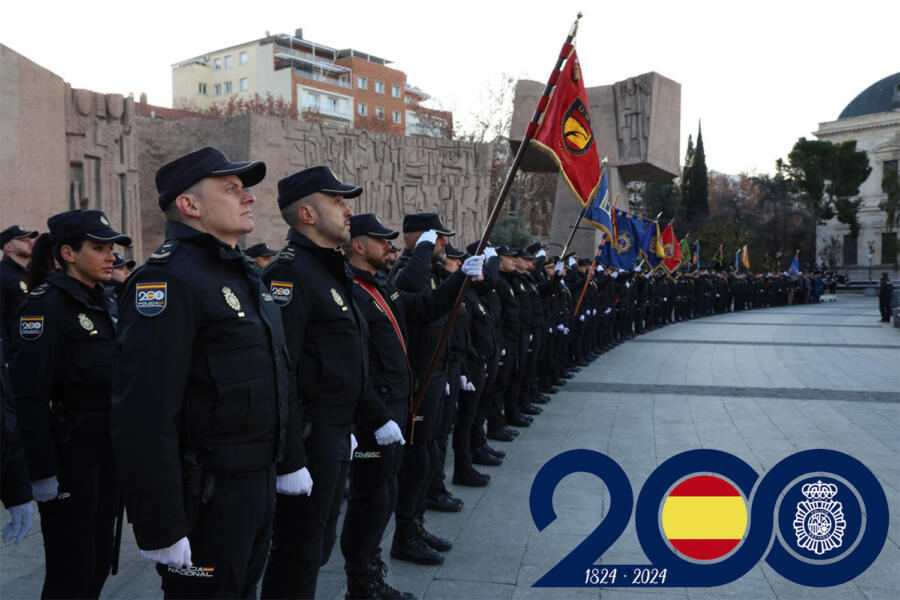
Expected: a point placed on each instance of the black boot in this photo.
(433, 541)
(468, 476)
(482, 456)
(377, 571)
(360, 585)
(409, 546)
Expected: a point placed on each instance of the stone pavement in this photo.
(761, 385)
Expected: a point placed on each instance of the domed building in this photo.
(873, 120)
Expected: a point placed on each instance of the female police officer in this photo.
(61, 368)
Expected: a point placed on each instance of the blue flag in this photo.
(608, 255)
(651, 247)
(627, 241)
(597, 214)
(795, 264)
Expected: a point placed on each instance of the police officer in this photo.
(261, 253)
(17, 245)
(885, 293)
(326, 341)
(15, 487)
(61, 366)
(200, 391)
(121, 271)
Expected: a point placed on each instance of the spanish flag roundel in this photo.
(704, 517)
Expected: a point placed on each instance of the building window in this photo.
(228, 62)
(379, 87)
(889, 248)
(227, 87)
(242, 58)
(244, 85)
(395, 91)
(201, 88)
(312, 100)
(218, 89)
(395, 116)
(332, 104)
(888, 166)
(362, 109)
(217, 64)
(362, 83)
(379, 112)
(849, 250)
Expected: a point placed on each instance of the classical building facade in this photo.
(341, 87)
(872, 119)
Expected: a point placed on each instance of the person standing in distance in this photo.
(327, 345)
(200, 393)
(17, 245)
(61, 367)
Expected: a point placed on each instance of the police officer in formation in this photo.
(232, 396)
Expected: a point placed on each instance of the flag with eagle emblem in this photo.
(565, 132)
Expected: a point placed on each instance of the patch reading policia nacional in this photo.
(150, 298)
(31, 328)
(705, 518)
(282, 292)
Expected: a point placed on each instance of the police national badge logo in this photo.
(282, 292)
(150, 298)
(85, 322)
(31, 328)
(577, 135)
(104, 220)
(337, 299)
(819, 522)
(230, 298)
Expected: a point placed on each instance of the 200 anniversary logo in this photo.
(705, 518)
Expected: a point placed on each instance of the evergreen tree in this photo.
(686, 171)
(697, 205)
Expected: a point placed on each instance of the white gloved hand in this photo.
(561, 328)
(530, 337)
(607, 311)
(567, 331)
(177, 555)
(595, 312)
(466, 385)
(559, 268)
(447, 389)
(353, 445)
(550, 330)
(665, 299)
(541, 253)
(581, 318)
(627, 284)
(489, 252)
(45, 490)
(614, 274)
(22, 517)
(598, 268)
(389, 433)
(297, 483)
(502, 351)
(573, 262)
(429, 236)
(473, 266)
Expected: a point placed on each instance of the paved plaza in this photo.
(761, 385)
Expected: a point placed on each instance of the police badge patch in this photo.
(337, 299)
(85, 322)
(819, 522)
(150, 298)
(282, 292)
(31, 328)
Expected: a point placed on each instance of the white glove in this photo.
(447, 389)
(45, 490)
(502, 351)
(567, 331)
(581, 318)
(665, 299)
(599, 267)
(561, 328)
(22, 518)
(614, 274)
(607, 311)
(595, 312)
(530, 337)
(550, 330)
(177, 555)
(559, 268)
(541, 253)
(473, 266)
(298, 483)
(627, 284)
(466, 385)
(389, 433)
(572, 261)
(353, 445)
(427, 236)
(637, 269)
(489, 252)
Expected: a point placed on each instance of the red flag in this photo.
(565, 132)
(672, 248)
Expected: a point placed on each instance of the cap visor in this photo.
(109, 236)
(445, 232)
(250, 173)
(347, 191)
(385, 234)
(27, 234)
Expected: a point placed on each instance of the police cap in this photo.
(535, 248)
(15, 232)
(506, 251)
(425, 221)
(177, 176)
(368, 224)
(312, 180)
(74, 225)
(452, 252)
(120, 261)
(259, 250)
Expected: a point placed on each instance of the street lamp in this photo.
(871, 252)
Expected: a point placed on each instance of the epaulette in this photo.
(39, 290)
(287, 255)
(163, 253)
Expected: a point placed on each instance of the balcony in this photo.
(319, 77)
(310, 59)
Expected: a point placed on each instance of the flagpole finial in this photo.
(574, 29)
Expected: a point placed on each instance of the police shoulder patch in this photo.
(282, 292)
(163, 253)
(150, 298)
(39, 290)
(287, 255)
(31, 328)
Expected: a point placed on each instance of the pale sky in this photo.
(759, 74)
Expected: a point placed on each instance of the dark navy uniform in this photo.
(200, 408)
(13, 289)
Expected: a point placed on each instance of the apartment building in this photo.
(343, 87)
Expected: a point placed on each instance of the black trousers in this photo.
(229, 541)
(484, 407)
(418, 455)
(373, 492)
(445, 427)
(511, 400)
(505, 366)
(77, 526)
(884, 305)
(305, 527)
(467, 407)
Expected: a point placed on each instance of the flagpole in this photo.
(565, 249)
(592, 268)
(495, 214)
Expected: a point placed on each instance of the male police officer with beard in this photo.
(373, 473)
(200, 391)
(326, 340)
